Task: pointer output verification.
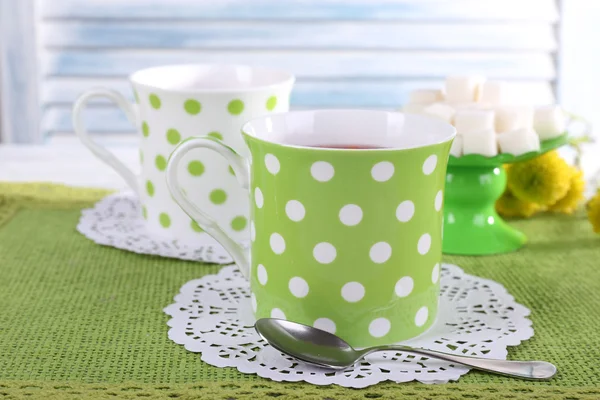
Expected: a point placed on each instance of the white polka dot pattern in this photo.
(369, 241)
(325, 324)
(405, 211)
(404, 286)
(421, 316)
(379, 327)
(261, 273)
(272, 164)
(351, 214)
(322, 171)
(439, 198)
(435, 274)
(277, 243)
(258, 198)
(277, 313)
(295, 210)
(298, 287)
(424, 244)
(382, 171)
(324, 253)
(353, 292)
(430, 164)
(380, 252)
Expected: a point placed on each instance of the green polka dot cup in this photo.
(346, 219)
(173, 103)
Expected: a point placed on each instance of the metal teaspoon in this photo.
(324, 349)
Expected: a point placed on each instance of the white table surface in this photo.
(73, 164)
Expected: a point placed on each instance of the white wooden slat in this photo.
(376, 93)
(19, 105)
(579, 81)
(310, 64)
(280, 35)
(101, 117)
(538, 10)
(345, 53)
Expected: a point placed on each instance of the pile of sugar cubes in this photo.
(484, 119)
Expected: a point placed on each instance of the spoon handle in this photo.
(520, 369)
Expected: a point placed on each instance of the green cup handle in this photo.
(205, 221)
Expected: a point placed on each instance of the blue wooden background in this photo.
(351, 53)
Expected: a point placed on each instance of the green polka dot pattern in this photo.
(150, 188)
(154, 101)
(271, 103)
(218, 196)
(239, 223)
(165, 220)
(173, 136)
(362, 231)
(169, 117)
(192, 107)
(161, 162)
(195, 168)
(145, 129)
(235, 107)
(196, 227)
(216, 135)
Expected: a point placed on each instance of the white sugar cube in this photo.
(425, 96)
(482, 142)
(473, 120)
(512, 118)
(413, 108)
(457, 146)
(440, 110)
(519, 141)
(549, 122)
(494, 92)
(463, 89)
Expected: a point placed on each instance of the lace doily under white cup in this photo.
(117, 221)
(477, 317)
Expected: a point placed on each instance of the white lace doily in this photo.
(117, 221)
(476, 317)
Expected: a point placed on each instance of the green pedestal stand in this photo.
(473, 184)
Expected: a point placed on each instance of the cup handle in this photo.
(107, 157)
(205, 221)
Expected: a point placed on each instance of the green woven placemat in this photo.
(78, 320)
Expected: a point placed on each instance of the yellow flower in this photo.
(593, 212)
(510, 206)
(543, 180)
(569, 203)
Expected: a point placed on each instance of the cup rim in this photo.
(441, 123)
(288, 79)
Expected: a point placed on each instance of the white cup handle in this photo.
(130, 111)
(205, 221)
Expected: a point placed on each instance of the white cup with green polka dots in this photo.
(346, 218)
(180, 101)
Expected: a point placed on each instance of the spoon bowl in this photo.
(300, 341)
(324, 349)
